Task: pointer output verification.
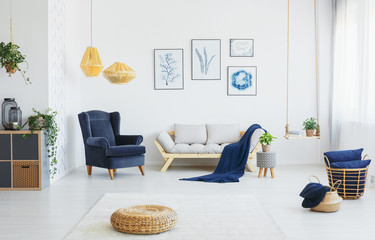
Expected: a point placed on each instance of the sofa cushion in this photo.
(351, 164)
(165, 141)
(223, 133)
(199, 148)
(190, 133)
(343, 156)
(125, 150)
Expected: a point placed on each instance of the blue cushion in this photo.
(313, 194)
(125, 150)
(343, 156)
(351, 164)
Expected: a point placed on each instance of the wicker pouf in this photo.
(144, 219)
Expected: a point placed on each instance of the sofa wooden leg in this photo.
(89, 169)
(115, 170)
(110, 173)
(167, 164)
(142, 169)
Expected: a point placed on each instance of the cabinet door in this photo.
(25, 149)
(4, 146)
(5, 175)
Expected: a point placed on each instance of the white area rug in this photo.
(206, 216)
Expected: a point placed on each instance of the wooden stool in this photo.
(266, 160)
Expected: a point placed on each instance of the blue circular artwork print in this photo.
(241, 80)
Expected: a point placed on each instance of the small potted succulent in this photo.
(310, 125)
(266, 140)
(10, 58)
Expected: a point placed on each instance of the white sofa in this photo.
(202, 141)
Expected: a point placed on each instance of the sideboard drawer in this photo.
(25, 149)
(5, 147)
(5, 175)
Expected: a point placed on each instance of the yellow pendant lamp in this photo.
(91, 63)
(119, 73)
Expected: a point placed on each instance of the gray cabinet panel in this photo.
(25, 149)
(5, 175)
(4, 146)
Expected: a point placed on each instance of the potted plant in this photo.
(310, 125)
(47, 122)
(266, 140)
(10, 58)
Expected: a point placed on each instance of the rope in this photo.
(11, 22)
(316, 72)
(287, 81)
(91, 22)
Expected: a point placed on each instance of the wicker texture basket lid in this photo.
(144, 219)
(119, 73)
(91, 63)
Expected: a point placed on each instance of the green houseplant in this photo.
(10, 58)
(47, 122)
(310, 125)
(266, 140)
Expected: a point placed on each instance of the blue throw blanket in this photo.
(232, 161)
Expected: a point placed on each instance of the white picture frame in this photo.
(242, 47)
(168, 69)
(242, 81)
(205, 59)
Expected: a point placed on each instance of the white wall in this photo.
(131, 35)
(30, 29)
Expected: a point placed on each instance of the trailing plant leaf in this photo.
(266, 138)
(310, 124)
(47, 122)
(11, 57)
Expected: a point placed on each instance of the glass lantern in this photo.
(15, 117)
(5, 108)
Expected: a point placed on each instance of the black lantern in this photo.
(15, 117)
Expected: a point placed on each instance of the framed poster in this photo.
(242, 47)
(206, 59)
(169, 69)
(242, 81)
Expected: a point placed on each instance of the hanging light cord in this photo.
(316, 66)
(91, 22)
(287, 81)
(11, 23)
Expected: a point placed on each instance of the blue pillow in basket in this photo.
(351, 164)
(343, 156)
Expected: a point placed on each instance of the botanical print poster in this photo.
(242, 81)
(206, 59)
(169, 69)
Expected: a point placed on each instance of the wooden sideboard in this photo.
(24, 163)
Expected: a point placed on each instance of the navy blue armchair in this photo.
(105, 147)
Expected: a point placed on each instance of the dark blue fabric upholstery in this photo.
(127, 150)
(351, 164)
(129, 139)
(313, 194)
(343, 156)
(104, 146)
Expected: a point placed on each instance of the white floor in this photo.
(50, 214)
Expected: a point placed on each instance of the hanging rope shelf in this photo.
(317, 132)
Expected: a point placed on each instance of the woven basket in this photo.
(331, 201)
(25, 174)
(144, 219)
(353, 180)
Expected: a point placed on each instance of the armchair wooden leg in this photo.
(110, 173)
(142, 169)
(89, 169)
